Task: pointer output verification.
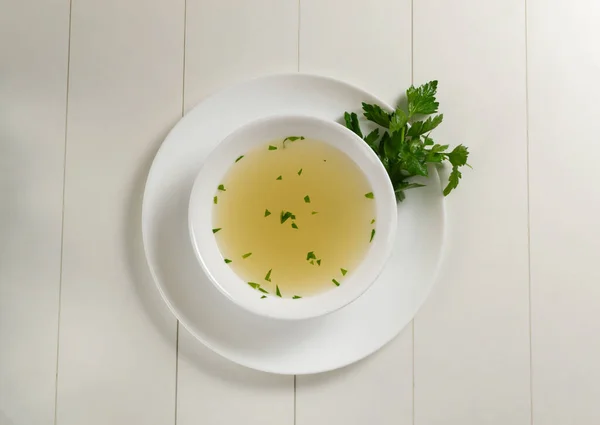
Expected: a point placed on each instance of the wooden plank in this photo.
(564, 65)
(212, 389)
(472, 336)
(125, 93)
(370, 47)
(33, 81)
(230, 41)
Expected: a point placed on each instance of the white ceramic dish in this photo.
(259, 133)
(297, 347)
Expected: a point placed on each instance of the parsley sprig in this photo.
(404, 146)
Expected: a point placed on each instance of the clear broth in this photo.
(324, 193)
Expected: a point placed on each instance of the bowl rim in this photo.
(235, 288)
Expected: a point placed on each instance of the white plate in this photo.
(309, 346)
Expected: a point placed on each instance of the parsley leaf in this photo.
(458, 156)
(453, 180)
(371, 138)
(421, 100)
(418, 128)
(352, 123)
(285, 215)
(376, 114)
(405, 148)
(398, 121)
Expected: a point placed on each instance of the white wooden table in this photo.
(88, 90)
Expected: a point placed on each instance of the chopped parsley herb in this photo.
(227, 261)
(247, 255)
(279, 178)
(336, 282)
(369, 195)
(254, 285)
(344, 271)
(319, 262)
(296, 297)
(215, 199)
(216, 230)
(372, 235)
(293, 138)
(239, 157)
(307, 199)
(264, 296)
(268, 276)
(315, 212)
(311, 256)
(267, 213)
(272, 148)
(221, 188)
(300, 171)
(277, 292)
(285, 215)
(263, 290)
(312, 262)
(372, 221)
(294, 225)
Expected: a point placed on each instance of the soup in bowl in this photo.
(292, 217)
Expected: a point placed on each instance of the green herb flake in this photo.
(227, 261)
(369, 195)
(239, 157)
(285, 215)
(221, 188)
(277, 292)
(300, 171)
(312, 262)
(263, 290)
(319, 262)
(311, 256)
(293, 138)
(296, 297)
(294, 225)
(336, 282)
(372, 235)
(248, 254)
(307, 199)
(372, 221)
(315, 212)
(268, 276)
(215, 200)
(272, 148)
(254, 285)
(344, 271)
(216, 230)
(279, 178)
(263, 297)
(267, 213)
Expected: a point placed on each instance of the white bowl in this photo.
(259, 133)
